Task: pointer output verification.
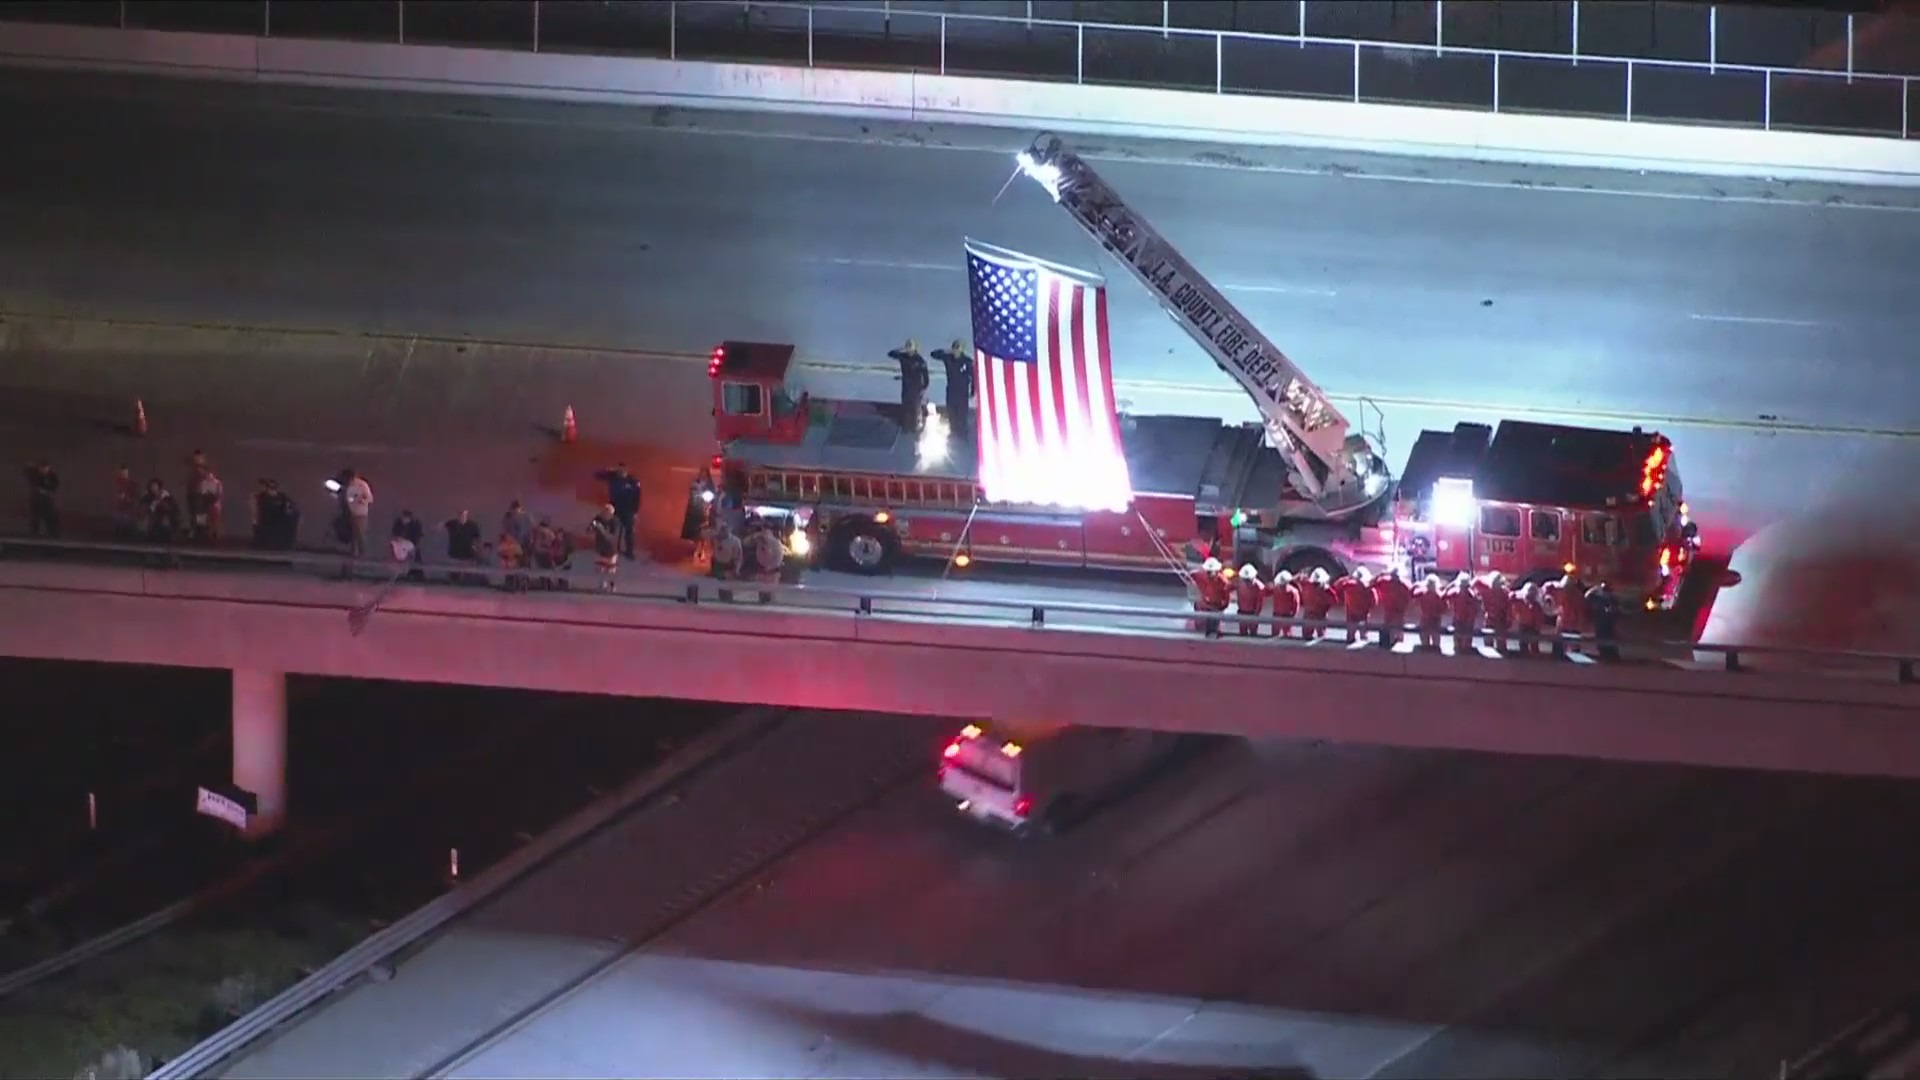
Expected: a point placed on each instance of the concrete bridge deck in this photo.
(666, 635)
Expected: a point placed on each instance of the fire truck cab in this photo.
(1536, 501)
(1045, 777)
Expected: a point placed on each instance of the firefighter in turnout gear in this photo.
(1394, 596)
(1431, 601)
(959, 364)
(1356, 597)
(1249, 599)
(1497, 602)
(914, 381)
(1566, 602)
(1529, 616)
(1286, 602)
(1464, 606)
(1210, 595)
(1316, 600)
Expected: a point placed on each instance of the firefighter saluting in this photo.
(1249, 599)
(1286, 602)
(1394, 597)
(1356, 598)
(1430, 598)
(1316, 600)
(1210, 595)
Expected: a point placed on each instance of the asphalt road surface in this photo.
(1275, 910)
(1452, 283)
(1713, 318)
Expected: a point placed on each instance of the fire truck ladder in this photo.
(1335, 468)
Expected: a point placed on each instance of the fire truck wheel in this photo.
(862, 548)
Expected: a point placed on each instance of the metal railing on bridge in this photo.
(944, 602)
(1727, 66)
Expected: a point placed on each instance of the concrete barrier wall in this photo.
(840, 661)
(1025, 106)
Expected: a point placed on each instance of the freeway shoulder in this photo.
(919, 657)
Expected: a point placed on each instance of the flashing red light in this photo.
(1022, 806)
(719, 462)
(1653, 472)
(715, 361)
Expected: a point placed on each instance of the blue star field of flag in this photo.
(1005, 308)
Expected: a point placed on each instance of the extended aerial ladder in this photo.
(1332, 466)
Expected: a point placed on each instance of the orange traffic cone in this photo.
(569, 430)
(139, 417)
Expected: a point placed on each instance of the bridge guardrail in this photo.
(652, 584)
(1836, 93)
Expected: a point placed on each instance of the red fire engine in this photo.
(1299, 492)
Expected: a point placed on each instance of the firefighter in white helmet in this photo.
(1249, 599)
(1286, 602)
(1210, 595)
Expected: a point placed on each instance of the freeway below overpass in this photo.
(812, 908)
(1759, 324)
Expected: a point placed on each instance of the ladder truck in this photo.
(1531, 501)
(856, 489)
(1334, 468)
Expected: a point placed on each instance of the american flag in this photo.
(1049, 433)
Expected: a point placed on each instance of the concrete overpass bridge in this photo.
(931, 653)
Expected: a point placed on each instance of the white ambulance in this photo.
(1045, 777)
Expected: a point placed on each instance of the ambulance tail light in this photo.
(1022, 806)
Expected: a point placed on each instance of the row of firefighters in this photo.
(1466, 606)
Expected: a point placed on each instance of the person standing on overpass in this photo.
(606, 530)
(356, 498)
(1356, 597)
(623, 496)
(1249, 599)
(1603, 614)
(43, 507)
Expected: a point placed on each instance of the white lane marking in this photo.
(885, 264)
(1280, 290)
(1751, 320)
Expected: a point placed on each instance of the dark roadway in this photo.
(1663, 304)
(1277, 910)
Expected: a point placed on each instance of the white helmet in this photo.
(1250, 572)
(1284, 577)
(1320, 576)
(1211, 566)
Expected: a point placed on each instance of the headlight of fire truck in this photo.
(1453, 502)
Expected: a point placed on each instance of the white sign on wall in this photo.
(221, 808)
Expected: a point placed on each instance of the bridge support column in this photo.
(260, 745)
